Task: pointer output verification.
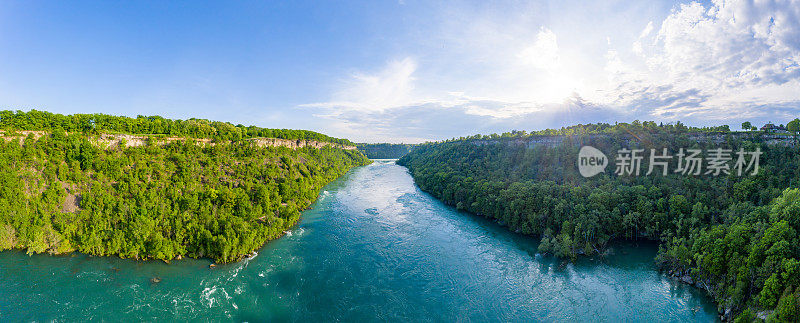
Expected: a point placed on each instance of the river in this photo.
(373, 247)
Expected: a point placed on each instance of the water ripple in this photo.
(373, 248)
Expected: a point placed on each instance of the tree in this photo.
(7, 237)
(794, 127)
(787, 310)
(737, 233)
(157, 201)
(747, 125)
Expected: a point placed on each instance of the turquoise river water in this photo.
(373, 248)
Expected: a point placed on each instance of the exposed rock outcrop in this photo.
(299, 143)
(107, 141)
(554, 141)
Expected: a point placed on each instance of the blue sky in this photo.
(406, 71)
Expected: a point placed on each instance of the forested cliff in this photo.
(209, 194)
(151, 125)
(734, 235)
(384, 150)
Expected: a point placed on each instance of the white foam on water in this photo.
(265, 272)
(255, 254)
(208, 296)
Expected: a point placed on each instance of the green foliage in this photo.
(746, 316)
(384, 151)
(605, 129)
(7, 237)
(738, 235)
(793, 126)
(62, 193)
(155, 125)
(787, 310)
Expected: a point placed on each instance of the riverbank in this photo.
(119, 140)
(159, 198)
(372, 247)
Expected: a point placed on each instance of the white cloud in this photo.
(647, 30)
(543, 53)
(637, 45)
(496, 71)
(701, 57)
(390, 87)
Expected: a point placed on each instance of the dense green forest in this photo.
(61, 192)
(603, 128)
(194, 128)
(384, 151)
(735, 236)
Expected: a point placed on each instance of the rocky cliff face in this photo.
(115, 140)
(554, 141)
(299, 143)
(21, 135)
